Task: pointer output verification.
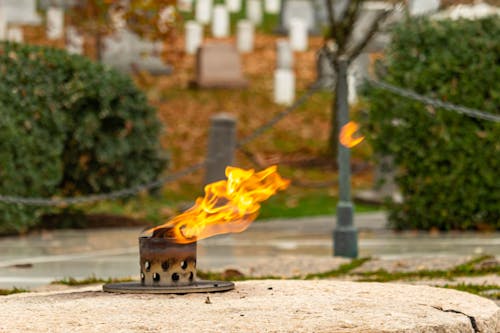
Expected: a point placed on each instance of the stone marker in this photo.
(185, 5)
(219, 66)
(125, 48)
(15, 34)
(74, 41)
(298, 35)
(220, 22)
(3, 25)
(244, 37)
(254, 11)
(272, 6)
(20, 11)
(421, 7)
(194, 36)
(284, 54)
(284, 86)
(257, 306)
(301, 9)
(55, 23)
(203, 11)
(234, 6)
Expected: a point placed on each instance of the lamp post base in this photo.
(345, 235)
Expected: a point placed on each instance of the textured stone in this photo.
(256, 306)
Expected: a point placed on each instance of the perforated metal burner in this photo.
(167, 268)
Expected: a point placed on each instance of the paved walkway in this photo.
(273, 246)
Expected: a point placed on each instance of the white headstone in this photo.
(420, 7)
(15, 34)
(185, 5)
(299, 9)
(55, 23)
(244, 37)
(298, 35)
(20, 11)
(234, 6)
(284, 86)
(254, 11)
(74, 41)
(272, 6)
(203, 11)
(284, 55)
(220, 22)
(194, 35)
(3, 25)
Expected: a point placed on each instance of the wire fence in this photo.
(131, 191)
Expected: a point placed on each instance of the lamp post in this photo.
(345, 234)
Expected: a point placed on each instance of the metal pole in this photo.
(345, 234)
(221, 146)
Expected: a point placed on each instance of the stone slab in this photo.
(256, 306)
(218, 65)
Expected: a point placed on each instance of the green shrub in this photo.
(69, 126)
(448, 164)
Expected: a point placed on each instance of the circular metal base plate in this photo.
(200, 286)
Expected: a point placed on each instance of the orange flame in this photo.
(228, 206)
(346, 135)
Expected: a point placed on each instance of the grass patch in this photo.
(5, 292)
(477, 289)
(342, 270)
(69, 281)
(467, 269)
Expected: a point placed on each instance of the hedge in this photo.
(68, 127)
(448, 164)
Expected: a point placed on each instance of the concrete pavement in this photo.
(42, 257)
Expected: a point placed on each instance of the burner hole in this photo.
(184, 264)
(216, 285)
(191, 276)
(142, 276)
(147, 265)
(175, 277)
(156, 277)
(164, 266)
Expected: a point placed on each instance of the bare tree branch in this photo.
(369, 35)
(347, 23)
(331, 19)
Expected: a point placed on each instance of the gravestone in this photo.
(284, 86)
(298, 35)
(125, 49)
(3, 25)
(284, 55)
(20, 11)
(245, 36)
(421, 7)
(194, 36)
(218, 65)
(234, 6)
(203, 11)
(55, 23)
(254, 11)
(272, 6)
(15, 34)
(220, 22)
(74, 41)
(301, 9)
(185, 5)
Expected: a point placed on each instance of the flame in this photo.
(346, 135)
(228, 206)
